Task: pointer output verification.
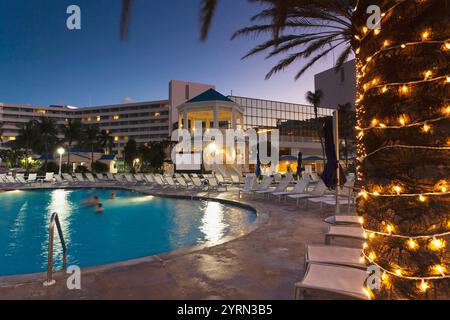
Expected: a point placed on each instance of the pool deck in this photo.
(262, 264)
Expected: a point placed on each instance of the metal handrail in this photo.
(54, 221)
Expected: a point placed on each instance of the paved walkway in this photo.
(263, 264)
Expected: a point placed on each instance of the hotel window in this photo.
(12, 138)
(99, 118)
(116, 117)
(41, 111)
(116, 138)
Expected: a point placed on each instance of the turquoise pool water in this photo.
(132, 226)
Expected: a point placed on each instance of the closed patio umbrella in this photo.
(329, 175)
(299, 165)
(258, 167)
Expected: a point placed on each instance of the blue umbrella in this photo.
(299, 165)
(258, 166)
(329, 175)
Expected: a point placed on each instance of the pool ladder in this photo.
(54, 221)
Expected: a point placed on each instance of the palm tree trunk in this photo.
(68, 156)
(404, 171)
(92, 158)
(46, 156)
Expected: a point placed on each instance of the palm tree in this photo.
(72, 131)
(106, 141)
(315, 98)
(90, 138)
(47, 132)
(26, 139)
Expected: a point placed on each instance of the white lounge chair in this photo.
(319, 191)
(281, 187)
(21, 179)
(139, 177)
(235, 180)
(68, 178)
(264, 185)
(90, 177)
(49, 177)
(32, 178)
(119, 179)
(80, 178)
(314, 177)
(110, 177)
(171, 183)
(299, 188)
(339, 281)
(249, 185)
(150, 179)
(129, 178)
(59, 180)
(344, 220)
(338, 232)
(198, 184)
(181, 182)
(347, 257)
(100, 177)
(214, 184)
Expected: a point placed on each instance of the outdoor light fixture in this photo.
(60, 151)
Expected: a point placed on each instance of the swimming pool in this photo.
(132, 226)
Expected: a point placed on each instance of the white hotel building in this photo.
(155, 120)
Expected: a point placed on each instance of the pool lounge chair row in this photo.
(336, 271)
(300, 193)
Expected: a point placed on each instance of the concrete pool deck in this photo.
(262, 264)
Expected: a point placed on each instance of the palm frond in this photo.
(208, 8)
(125, 20)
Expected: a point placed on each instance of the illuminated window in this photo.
(116, 138)
(157, 114)
(116, 117)
(99, 118)
(12, 138)
(41, 111)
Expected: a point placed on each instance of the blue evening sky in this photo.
(43, 63)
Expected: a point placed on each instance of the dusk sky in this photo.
(43, 63)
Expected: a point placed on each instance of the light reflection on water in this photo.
(212, 224)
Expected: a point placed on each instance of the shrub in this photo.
(101, 167)
(81, 169)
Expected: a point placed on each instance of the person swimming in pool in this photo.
(93, 201)
(100, 208)
(113, 196)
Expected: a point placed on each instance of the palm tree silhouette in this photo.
(106, 141)
(47, 132)
(26, 139)
(72, 131)
(315, 99)
(90, 139)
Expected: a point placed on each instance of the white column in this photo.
(216, 117)
(185, 120)
(233, 120)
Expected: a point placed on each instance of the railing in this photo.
(54, 221)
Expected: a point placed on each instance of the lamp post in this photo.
(60, 151)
